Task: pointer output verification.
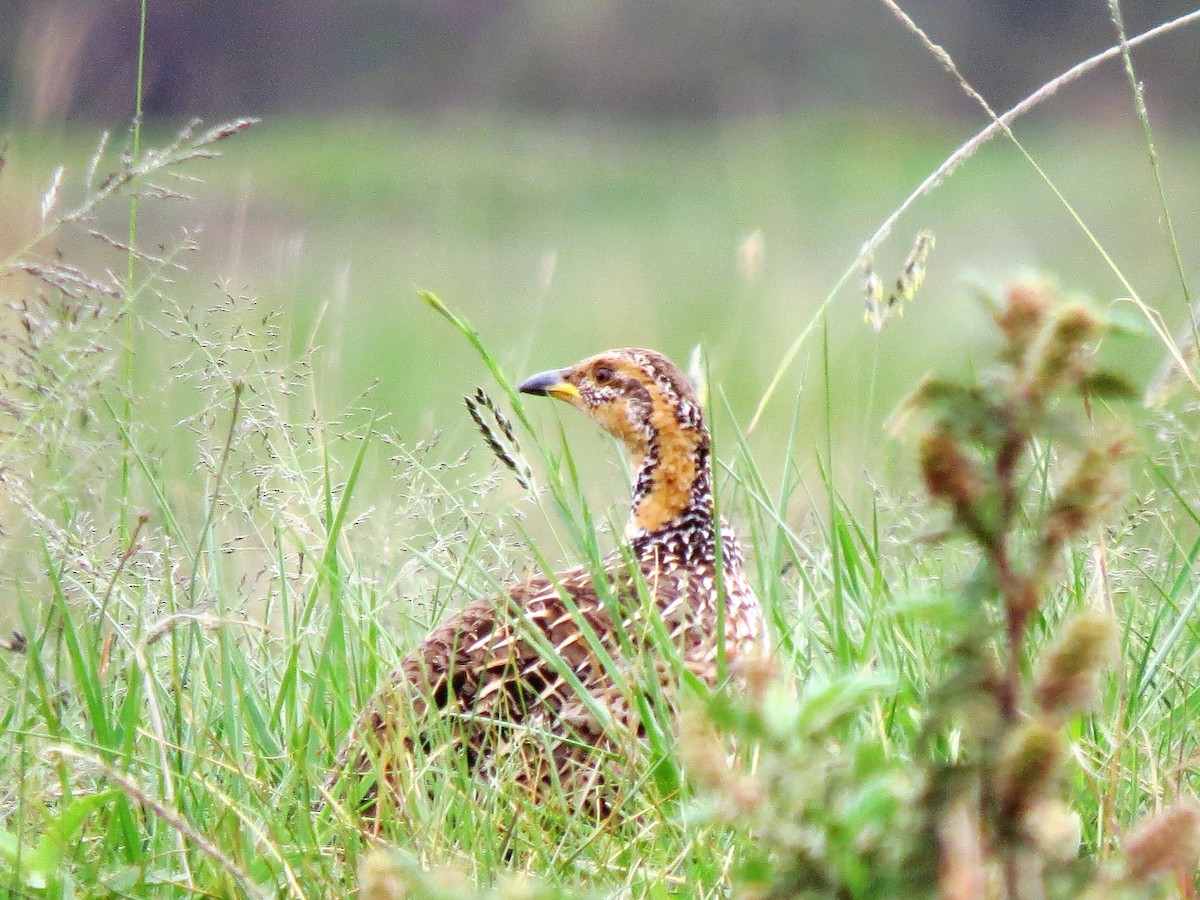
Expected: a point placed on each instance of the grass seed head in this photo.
(381, 877)
(1069, 670)
(1023, 314)
(1029, 763)
(1063, 352)
(949, 475)
(758, 673)
(502, 442)
(1087, 493)
(702, 751)
(1055, 829)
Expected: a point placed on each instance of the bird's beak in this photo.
(550, 384)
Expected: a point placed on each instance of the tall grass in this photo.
(198, 633)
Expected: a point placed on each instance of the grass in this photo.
(335, 225)
(200, 638)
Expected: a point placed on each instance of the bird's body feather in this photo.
(544, 681)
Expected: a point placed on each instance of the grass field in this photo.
(557, 239)
(215, 545)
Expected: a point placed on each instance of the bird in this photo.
(546, 674)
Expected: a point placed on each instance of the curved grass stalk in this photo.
(999, 125)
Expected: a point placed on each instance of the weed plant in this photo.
(1006, 712)
(973, 802)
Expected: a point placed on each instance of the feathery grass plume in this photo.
(1173, 371)
(133, 172)
(701, 750)
(389, 874)
(881, 307)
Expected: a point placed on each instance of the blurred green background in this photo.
(574, 176)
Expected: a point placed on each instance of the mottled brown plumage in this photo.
(503, 668)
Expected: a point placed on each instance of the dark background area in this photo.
(688, 59)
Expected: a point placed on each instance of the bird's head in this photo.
(640, 397)
(634, 395)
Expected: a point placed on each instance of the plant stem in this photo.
(130, 259)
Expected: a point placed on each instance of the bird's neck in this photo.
(672, 491)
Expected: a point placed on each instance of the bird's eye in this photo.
(603, 375)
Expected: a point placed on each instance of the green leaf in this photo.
(63, 829)
(123, 880)
(17, 857)
(936, 607)
(967, 410)
(10, 847)
(874, 805)
(823, 706)
(1108, 386)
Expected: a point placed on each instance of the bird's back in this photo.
(543, 683)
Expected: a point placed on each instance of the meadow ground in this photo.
(240, 487)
